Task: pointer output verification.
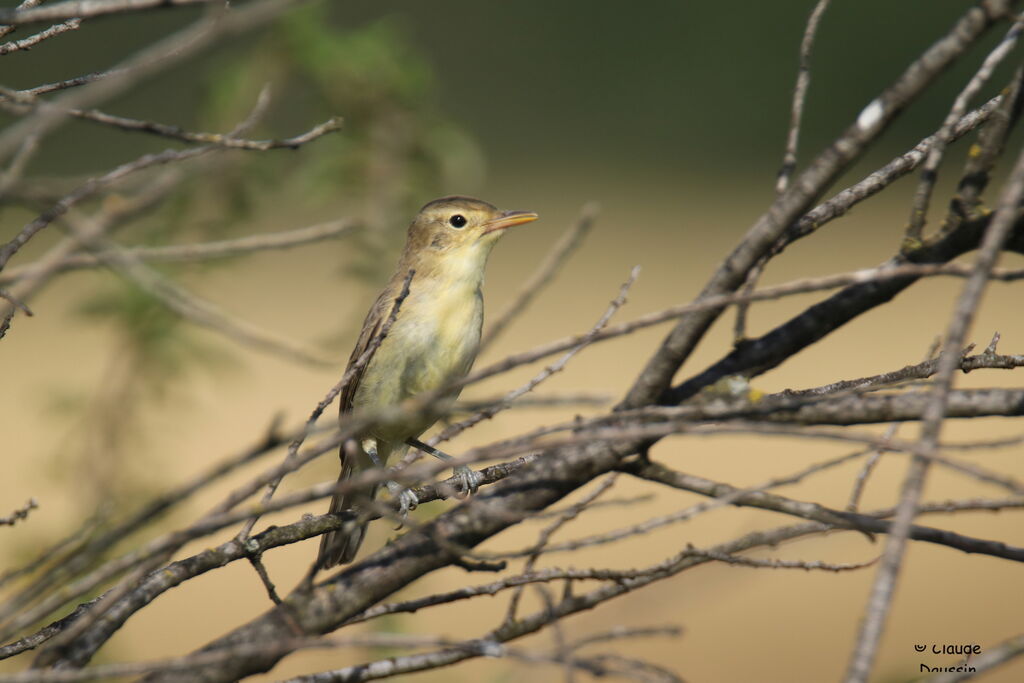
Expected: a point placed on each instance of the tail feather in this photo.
(341, 545)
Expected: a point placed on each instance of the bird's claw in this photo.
(468, 481)
(407, 501)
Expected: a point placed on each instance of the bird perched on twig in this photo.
(432, 342)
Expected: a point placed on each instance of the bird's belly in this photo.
(422, 354)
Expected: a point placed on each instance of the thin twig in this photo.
(26, 150)
(33, 40)
(71, 556)
(547, 532)
(90, 188)
(112, 214)
(922, 370)
(25, 4)
(737, 560)
(188, 305)
(880, 274)
(74, 82)
(930, 170)
(19, 514)
(199, 251)
(865, 471)
(69, 9)
(22, 104)
(878, 180)
(876, 455)
(14, 301)
(158, 57)
(863, 522)
(803, 81)
(261, 571)
(575, 398)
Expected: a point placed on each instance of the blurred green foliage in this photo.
(395, 146)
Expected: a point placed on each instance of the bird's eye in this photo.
(457, 221)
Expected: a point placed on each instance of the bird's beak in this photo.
(509, 218)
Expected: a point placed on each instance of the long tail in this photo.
(340, 546)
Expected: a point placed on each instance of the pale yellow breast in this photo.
(433, 341)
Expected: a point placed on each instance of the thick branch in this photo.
(80, 651)
(329, 605)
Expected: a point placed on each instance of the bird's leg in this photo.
(407, 500)
(469, 481)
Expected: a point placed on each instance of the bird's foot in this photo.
(407, 501)
(468, 481)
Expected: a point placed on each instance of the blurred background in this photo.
(672, 116)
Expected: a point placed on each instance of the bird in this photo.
(432, 342)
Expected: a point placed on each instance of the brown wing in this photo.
(341, 545)
(371, 326)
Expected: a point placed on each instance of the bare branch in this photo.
(91, 187)
(869, 465)
(559, 458)
(930, 172)
(72, 82)
(196, 251)
(819, 513)
(161, 580)
(547, 532)
(803, 81)
(33, 40)
(28, 148)
(20, 103)
(25, 4)
(989, 359)
(83, 9)
(882, 274)
(19, 514)
(759, 355)
(780, 564)
(145, 63)
(184, 303)
(985, 153)
(70, 557)
(877, 181)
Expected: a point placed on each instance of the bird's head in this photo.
(459, 231)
